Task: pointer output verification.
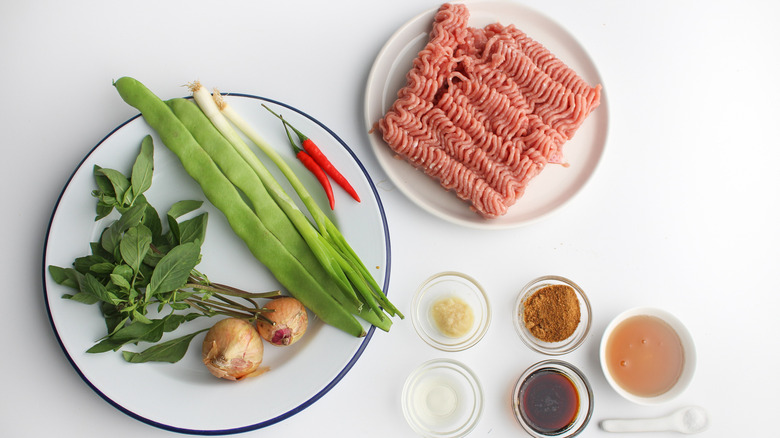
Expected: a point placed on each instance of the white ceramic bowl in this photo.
(450, 284)
(689, 354)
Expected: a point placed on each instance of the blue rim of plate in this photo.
(250, 427)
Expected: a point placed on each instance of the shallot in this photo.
(233, 350)
(285, 322)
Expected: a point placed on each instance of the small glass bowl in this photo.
(688, 348)
(580, 383)
(552, 348)
(450, 284)
(442, 398)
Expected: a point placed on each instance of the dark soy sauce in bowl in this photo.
(552, 398)
(549, 401)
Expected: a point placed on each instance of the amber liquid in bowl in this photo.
(645, 356)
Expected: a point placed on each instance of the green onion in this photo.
(341, 250)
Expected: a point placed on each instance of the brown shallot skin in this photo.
(289, 321)
(233, 350)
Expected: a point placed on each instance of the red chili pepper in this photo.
(313, 167)
(311, 148)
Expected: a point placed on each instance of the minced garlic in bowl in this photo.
(450, 311)
(452, 316)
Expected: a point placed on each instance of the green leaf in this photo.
(169, 351)
(173, 321)
(110, 238)
(84, 264)
(102, 210)
(105, 345)
(174, 269)
(82, 297)
(102, 268)
(152, 221)
(153, 257)
(115, 190)
(118, 181)
(94, 287)
(127, 199)
(137, 331)
(179, 306)
(144, 275)
(193, 230)
(134, 201)
(104, 199)
(101, 180)
(181, 208)
(141, 175)
(134, 332)
(120, 281)
(137, 316)
(130, 218)
(65, 276)
(112, 235)
(115, 319)
(98, 250)
(134, 245)
(173, 230)
(124, 271)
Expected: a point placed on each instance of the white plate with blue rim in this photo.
(171, 396)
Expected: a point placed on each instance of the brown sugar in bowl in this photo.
(552, 312)
(552, 315)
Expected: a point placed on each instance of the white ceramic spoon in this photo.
(688, 420)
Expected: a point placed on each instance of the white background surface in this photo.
(682, 212)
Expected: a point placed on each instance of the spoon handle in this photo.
(636, 425)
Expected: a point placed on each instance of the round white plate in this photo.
(554, 186)
(184, 397)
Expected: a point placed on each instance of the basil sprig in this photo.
(137, 263)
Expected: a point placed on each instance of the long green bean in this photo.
(316, 242)
(246, 180)
(340, 250)
(223, 195)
